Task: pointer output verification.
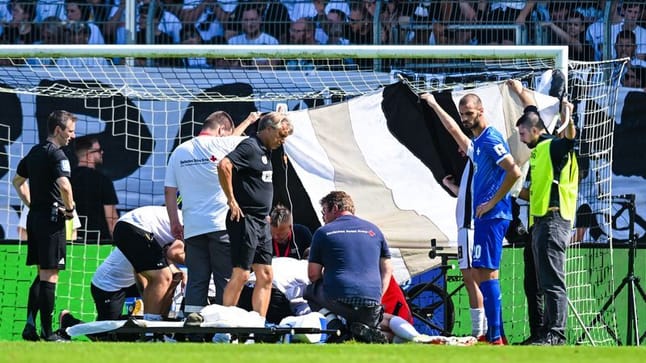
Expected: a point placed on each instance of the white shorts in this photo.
(465, 248)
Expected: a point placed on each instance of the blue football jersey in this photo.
(486, 151)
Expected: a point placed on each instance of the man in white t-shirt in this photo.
(251, 30)
(192, 171)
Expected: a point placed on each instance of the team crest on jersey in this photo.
(266, 176)
(264, 159)
(65, 166)
(500, 149)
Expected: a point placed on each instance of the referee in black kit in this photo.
(49, 198)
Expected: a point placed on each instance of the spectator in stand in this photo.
(209, 16)
(360, 26)
(625, 47)
(360, 32)
(334, 29)
(301, 31)
(289, 239)
(252, 29)
(79, 11)
(107, 17)
(159, 36)
(595, 33)
(317, 10)
(634, 77)
(389, 17)
(572, 33)
(252, 33)
(503, 12)
(22, 28)
(632, 12)
(94, 192)
(276, 18)
(422, 34)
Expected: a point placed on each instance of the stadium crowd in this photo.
(579, 24)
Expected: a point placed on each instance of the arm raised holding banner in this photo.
(495, 173)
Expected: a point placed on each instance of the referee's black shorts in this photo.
(139, 247)
(250, 241)
(46, 244)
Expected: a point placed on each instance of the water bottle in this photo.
(129, 305)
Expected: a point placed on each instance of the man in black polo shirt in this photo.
(245, 175)
(49, 197)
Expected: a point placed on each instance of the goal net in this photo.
(141, 101)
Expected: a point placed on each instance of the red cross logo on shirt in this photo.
(213, 158)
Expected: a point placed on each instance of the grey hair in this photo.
(275, 120)
(279, 215)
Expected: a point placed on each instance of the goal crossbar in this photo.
(558, 53)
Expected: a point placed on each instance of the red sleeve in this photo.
(394, 299)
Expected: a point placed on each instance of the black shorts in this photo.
(139, 247)
(46, 244)
(250, 241)
(109, 304)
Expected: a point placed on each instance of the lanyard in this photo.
(287, 250)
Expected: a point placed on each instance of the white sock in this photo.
(152, 317)
(402, 328)
(478, 322)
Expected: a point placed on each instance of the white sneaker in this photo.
(221, 338)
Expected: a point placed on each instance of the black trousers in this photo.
(535, 302)
(316, 298)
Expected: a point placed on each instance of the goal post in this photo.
(143, 110)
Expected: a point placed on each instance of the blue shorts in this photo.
(487, 242)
